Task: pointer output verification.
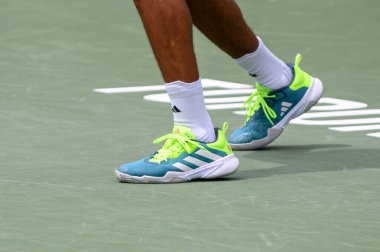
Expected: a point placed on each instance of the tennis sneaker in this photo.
(269, 111)
(181, 159)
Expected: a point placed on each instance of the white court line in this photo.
(377, 134)
(342, 113)
(228, 92)
(312, 118)
(337, 104)
(206, 83)
(356, 128)
(230, 100)
(225, 106)
(43, 184)
(241, 99)
(163, 97)
(118, 90)
(300, 121)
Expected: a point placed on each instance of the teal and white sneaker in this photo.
(182, 159)
(268, 111)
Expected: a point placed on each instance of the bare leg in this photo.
(222, 22)
(168, 24)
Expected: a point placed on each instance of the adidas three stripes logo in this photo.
(175, 109)
(285, 107)
(195, 161)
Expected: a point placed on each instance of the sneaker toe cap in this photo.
(143, 167)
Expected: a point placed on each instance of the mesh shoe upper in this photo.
(179, 157)
(270, 107)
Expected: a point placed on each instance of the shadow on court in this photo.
(293, 159)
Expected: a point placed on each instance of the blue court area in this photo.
(81, 94)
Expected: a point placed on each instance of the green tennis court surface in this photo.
(314, 189)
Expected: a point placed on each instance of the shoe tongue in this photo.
(183, 131)
(170, 143)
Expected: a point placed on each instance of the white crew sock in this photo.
(189, 109)
(266, 68)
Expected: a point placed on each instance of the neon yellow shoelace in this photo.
(175, 144)
(251, 107)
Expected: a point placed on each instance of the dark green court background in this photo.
(312, 190)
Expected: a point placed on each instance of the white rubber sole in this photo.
(311, 97)
(220, 168)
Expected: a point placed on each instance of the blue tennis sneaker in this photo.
(269, 111)
(181, 159)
